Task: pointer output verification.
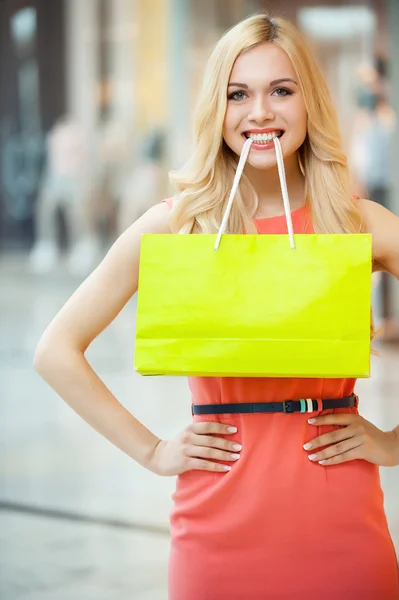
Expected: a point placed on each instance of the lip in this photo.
(268, 130)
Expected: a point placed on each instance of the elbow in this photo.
(52, 355)
(41, 358)
(47, 355)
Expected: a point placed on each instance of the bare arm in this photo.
(384, 227)
(60, 358)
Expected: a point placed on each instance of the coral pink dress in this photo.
(277, 526)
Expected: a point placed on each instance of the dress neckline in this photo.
(293, 212)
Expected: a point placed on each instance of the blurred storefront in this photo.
(32, 96)
(123, 76)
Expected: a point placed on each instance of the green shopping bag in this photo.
(255, 305)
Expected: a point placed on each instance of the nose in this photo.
(260, 111)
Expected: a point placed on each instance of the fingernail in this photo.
(235, 456)
(321, 462)
(307, 446)
(232, 429)
(236, 447)
(226, 468)
(311, 421)
(312, 456)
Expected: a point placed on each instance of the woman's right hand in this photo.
(194, 448)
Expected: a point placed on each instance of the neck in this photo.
(267, 185)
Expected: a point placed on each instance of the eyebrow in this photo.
(272, 83)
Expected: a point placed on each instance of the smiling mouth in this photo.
(263, 138)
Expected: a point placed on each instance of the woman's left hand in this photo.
(356, 439)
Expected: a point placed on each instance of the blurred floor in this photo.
(79, 519)
(46, 559)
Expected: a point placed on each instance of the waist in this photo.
(301, 405)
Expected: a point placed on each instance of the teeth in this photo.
(262, 137)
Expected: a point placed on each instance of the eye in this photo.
(282, 92)
(239, 95)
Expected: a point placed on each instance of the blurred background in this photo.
(96, 99)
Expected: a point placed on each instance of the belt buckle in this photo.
(288, 406)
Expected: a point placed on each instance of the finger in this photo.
(198, 464)
(336, 450)
(215, 442)
(335, 419)
(331, 437)
(212, 453)
(202, 427)
(353, 454)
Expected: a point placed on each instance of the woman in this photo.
(271, 524)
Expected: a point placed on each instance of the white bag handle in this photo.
(283, 183)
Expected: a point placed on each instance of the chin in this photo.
(262, 163)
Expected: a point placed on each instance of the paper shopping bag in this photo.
(255, 307)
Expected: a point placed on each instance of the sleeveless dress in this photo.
(277, 526)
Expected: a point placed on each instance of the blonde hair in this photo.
(205, 181)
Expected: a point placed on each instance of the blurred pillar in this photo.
(152, 87)
(393, 33)
(123, 32)
(179, 51)
(82, 60)
(162, 83)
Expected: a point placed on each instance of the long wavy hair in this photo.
(204, 182)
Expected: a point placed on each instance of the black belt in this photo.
(303, 405)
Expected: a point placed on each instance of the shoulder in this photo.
(384, 227)
(375, 216)
(156, 219)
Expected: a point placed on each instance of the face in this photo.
(264, 100)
